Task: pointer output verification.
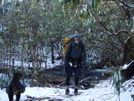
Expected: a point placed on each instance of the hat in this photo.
(76, 35)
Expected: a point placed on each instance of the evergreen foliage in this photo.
(31, 30)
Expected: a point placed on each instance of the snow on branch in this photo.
(126, 4)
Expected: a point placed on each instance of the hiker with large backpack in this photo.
(75, 59)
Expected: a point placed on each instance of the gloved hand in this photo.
(82, 66)
(65, 67)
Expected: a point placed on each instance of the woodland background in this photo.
(32, 31)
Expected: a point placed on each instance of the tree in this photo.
(106, 29)
(30, 27)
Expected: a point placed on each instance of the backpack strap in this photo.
(71, 47)
(81, 46)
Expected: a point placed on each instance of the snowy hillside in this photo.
(102, 92)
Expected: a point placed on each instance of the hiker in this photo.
(75, 59)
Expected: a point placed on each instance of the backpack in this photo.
(65, 46)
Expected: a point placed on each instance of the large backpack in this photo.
(65, 46)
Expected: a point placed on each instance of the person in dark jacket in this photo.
(75, 59)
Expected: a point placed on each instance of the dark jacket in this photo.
(75, 54)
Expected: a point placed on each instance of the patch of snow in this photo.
(126, 65)
(103, 91)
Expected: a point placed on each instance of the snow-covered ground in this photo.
(103, 91)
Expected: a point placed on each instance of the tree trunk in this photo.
(129, 50)
(52, 51)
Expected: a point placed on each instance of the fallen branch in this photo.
(31, 98)
(85, 79)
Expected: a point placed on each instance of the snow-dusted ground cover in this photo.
(103, 91)
(29, 64)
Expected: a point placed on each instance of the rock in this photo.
(128, 72)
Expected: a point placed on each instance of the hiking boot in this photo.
(67, 92)
(76, 91)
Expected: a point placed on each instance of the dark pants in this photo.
(77, 73)
(68, 80)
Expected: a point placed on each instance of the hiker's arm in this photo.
(84, 55)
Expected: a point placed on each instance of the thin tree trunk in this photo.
(52, 51)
